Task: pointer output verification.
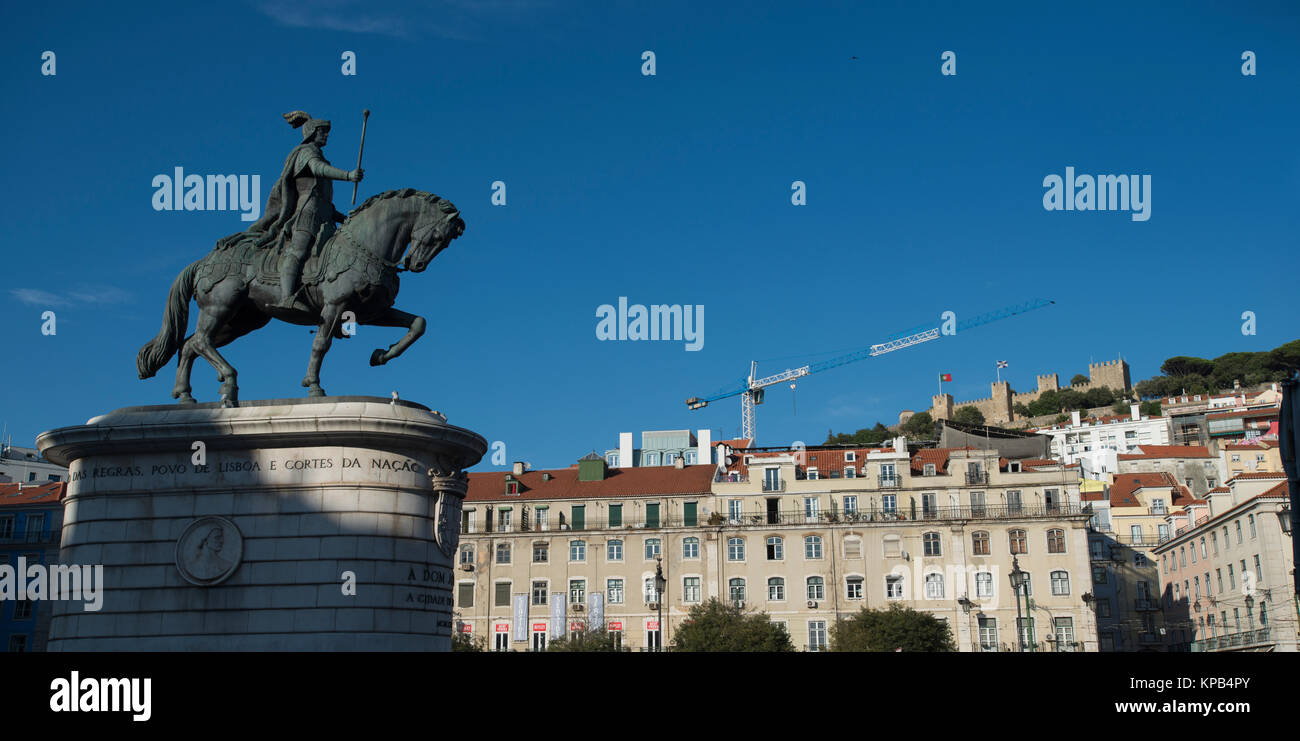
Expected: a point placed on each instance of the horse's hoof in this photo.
(185, 399)
(316, 391)
(377, 357)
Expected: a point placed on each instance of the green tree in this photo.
(1150, 408)
(1021, 410)
(968, 416)
(1119, 407)
(1079, 378)
(921, 425)
(468, 642)
(1099, 396)
(892, 629)
(1184, 365)
(585, 641)
(718, 626)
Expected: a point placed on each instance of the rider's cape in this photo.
(282, 203)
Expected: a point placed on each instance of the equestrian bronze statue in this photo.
(295, 266)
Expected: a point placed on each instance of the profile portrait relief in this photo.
(209, 551)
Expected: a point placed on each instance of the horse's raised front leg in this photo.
(324, 337)
(396, 318)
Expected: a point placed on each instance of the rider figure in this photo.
(301, 202)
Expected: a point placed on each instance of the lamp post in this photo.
(1017, 583)
(661, 584)
(1250, 617)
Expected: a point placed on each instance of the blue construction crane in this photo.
(750, 389)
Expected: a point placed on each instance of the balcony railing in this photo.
(1233, 640)
(889, 481)
(778, 485)
(1146, 605)
(978, 478)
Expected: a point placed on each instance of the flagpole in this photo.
(998, 367)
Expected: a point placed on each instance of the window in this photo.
(503, 520)
(512, 488)
(893, 546)
(501, 594)
(1259, 572)
(616, 515)
(893, 587)
(690, 548)
(1193, 548)
(1060, 583)
(1028, 588)
(1158, 506)
(977, 504)
(1098, 550)
(850, 472)
(614, 591)
(1214, 543)
(578, 517)
(929, 508)
(689, 514)
(1019, 543)
(1204, 554)
(1251, 518)
(1218, 577)
(735, 510)
(776, 589)
(735, 549)
(812, 474)
(736, 590)
(1026, 632)
(1103, 608)
(853, 547)
(1056, 540)
(578, 591)
(36, 523)
(810, 509)
(651, 594)
(577, 550)
(1013, 502)
(652, 549)
(611, 460)
(1182, 556)
(850, 456)
(930, 542)
(503, 553)
(1232, 580)
(988, 634)
(1227, 544)
(1099, 575)
(1064, 633)
(1238, 526)
(691, 589)
(934, 585)
(1140, 560)
(775, 548)
(1162, 531)
(816, 635)
(652, 515)
(541, 552)
(928, 469)
(812, 547)
(889, 504)
(984, 584)
(17, 643)
(651, 459)
(6, 527)
(465, 594)
(816, 588)
(614, 550)
(540, 517)
(467, 553)
(853, 587)
(540, 590)
(850, 505)
(670, 458)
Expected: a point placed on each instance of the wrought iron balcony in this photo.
(889, 481)
(979, 478)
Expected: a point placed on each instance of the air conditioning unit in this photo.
(467, 567)
(577, 608)
(653, 605)
(812, 604)
(740, 604)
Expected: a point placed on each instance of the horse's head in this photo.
(436, 225)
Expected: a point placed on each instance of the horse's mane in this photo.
(442, 204)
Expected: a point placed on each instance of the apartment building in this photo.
(1226, 574)
(31, 522)
(1130, 519)
(1192, 466)
(1260, 454)
(807, 536)
(1096, 442)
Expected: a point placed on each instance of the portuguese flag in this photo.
(945, 376)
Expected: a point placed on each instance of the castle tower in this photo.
(1001, 402)
(1048, 382)
(1112, 374)
(941, 406)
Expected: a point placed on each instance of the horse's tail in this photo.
(176, 317)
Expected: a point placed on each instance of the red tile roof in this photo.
(1167, 451)
(1121, 492)
(1269, 412)
(1257, 475)
(23, 494)
(738, 443)
(619, 482)
(1255, 445)
(937, 456)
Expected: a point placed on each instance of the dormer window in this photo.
(850, 456)
(512, 488)
(928, 469)
(1014, 467)
(850, 472)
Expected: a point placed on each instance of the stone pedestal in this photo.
(325, 524)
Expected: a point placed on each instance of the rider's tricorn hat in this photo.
(309, 125)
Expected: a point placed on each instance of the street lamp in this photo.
(661, 585)
(1284, 515)
(1018, 579)
(1250, 618)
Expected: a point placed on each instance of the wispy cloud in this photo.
(445, 18)
(80, 295)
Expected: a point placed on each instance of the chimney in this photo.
(900, 444)
(704, 446)
(519, 468)
(679, 462)
(1133, 411)
(1074, 418)
(625, 450)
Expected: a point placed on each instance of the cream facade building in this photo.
(1226, 573)
(808, 536)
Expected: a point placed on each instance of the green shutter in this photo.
(616, 515)
(466, 596)
(652, 515)
(579, 517)
(688, 514)
(503, 594)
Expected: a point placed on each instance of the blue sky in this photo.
(924, 194)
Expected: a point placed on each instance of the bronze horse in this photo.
(354, 271)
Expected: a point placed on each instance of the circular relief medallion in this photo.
(209, 551)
